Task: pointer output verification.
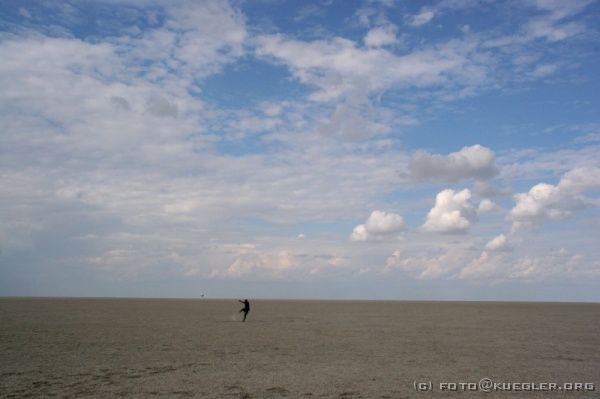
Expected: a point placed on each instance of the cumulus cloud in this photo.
(359, 233)
(453, 212)
(541, 202)
(378, 225)
(580, 180)
(546, 201)
(476, 162)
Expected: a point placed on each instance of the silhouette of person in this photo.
(246, 308)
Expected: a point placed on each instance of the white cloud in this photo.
(129, 150)
(124, 153)
(300, 258)
(580, 180)
(160, 106)
(207, 30)
(353, 120)
(551, 25)
(378, 225)
(384, 223)
(502, 260)
(544, 70)
(588, 138)
(484, 188)
(498, 266)
(486, 206)
(259, 264)
(453, 212)
(498, 243)
(422, 18)
(381, 36)
(555, 263)
(561, 9)
(24, 13)
(546, 201)
(359, 233)
(196, 40)
(476, 162)
(338, 66)
(272, 109)
(538, 204)
(486, 266)
(533, 164)
(426, 14)
(430, 266)
(547, 28)
(554, 22)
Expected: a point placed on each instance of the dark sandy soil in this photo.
(295, 349)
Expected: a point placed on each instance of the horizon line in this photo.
(4, 297)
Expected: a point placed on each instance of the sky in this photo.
(413, 150)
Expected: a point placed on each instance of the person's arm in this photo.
(240, 301)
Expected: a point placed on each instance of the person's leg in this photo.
(245, 314)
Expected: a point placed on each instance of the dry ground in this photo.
(294, 349)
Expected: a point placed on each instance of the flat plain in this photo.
(295, 349)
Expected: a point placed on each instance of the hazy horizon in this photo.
(308, 299)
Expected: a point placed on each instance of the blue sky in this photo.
(336, 149)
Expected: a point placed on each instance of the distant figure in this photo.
(246, 308)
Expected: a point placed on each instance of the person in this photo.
(245, 309)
